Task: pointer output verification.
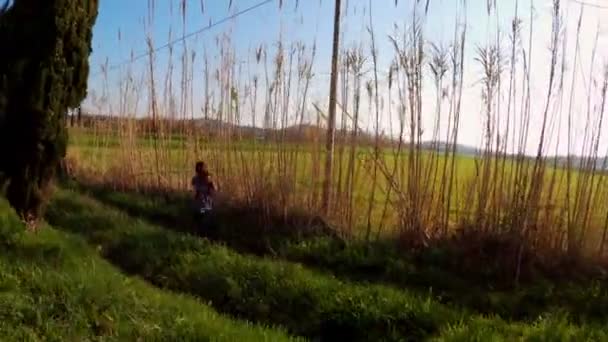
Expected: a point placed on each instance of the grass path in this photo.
(55, 287)
(305, 302)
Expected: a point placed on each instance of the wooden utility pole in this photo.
(331, 120)
(79, 121)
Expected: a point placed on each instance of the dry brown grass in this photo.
(406, 189)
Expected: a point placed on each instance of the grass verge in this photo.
(257, 289)
(54, 287)
(476, 286)
(281, 293)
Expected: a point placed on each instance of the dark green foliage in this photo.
(43, 71)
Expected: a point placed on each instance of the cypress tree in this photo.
(43, 72)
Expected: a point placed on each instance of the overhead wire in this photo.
(587, 3)
(185, 37)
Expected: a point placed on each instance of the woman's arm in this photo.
(194, 188)
(211, 187)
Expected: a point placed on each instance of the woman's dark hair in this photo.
(202, 167)
(199, 166)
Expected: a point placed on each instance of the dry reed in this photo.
(263, 136)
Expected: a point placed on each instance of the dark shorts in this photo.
(205, 224)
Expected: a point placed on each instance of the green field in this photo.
(293, 174)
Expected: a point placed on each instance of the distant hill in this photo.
(306, 133)
(460, 149)
(294, 133)
(581, 162)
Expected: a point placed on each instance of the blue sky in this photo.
(312, 22)
(312, 18)
(122, 28)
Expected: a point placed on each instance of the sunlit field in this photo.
(241, 165)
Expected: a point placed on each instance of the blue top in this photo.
(203, 189)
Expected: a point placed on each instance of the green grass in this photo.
(479, 285)
(475, 282)
(545, 329)
(306, 302)
(55, 287)
(262, 290)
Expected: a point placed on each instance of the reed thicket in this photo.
(261, 129)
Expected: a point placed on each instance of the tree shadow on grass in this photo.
(40, 253)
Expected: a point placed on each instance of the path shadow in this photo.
(240, 228)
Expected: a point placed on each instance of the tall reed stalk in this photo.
(257, 121)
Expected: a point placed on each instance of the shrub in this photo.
(43, 72)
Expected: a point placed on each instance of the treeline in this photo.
(211, 128)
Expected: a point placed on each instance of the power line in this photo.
(584, 3)
(189, 35)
